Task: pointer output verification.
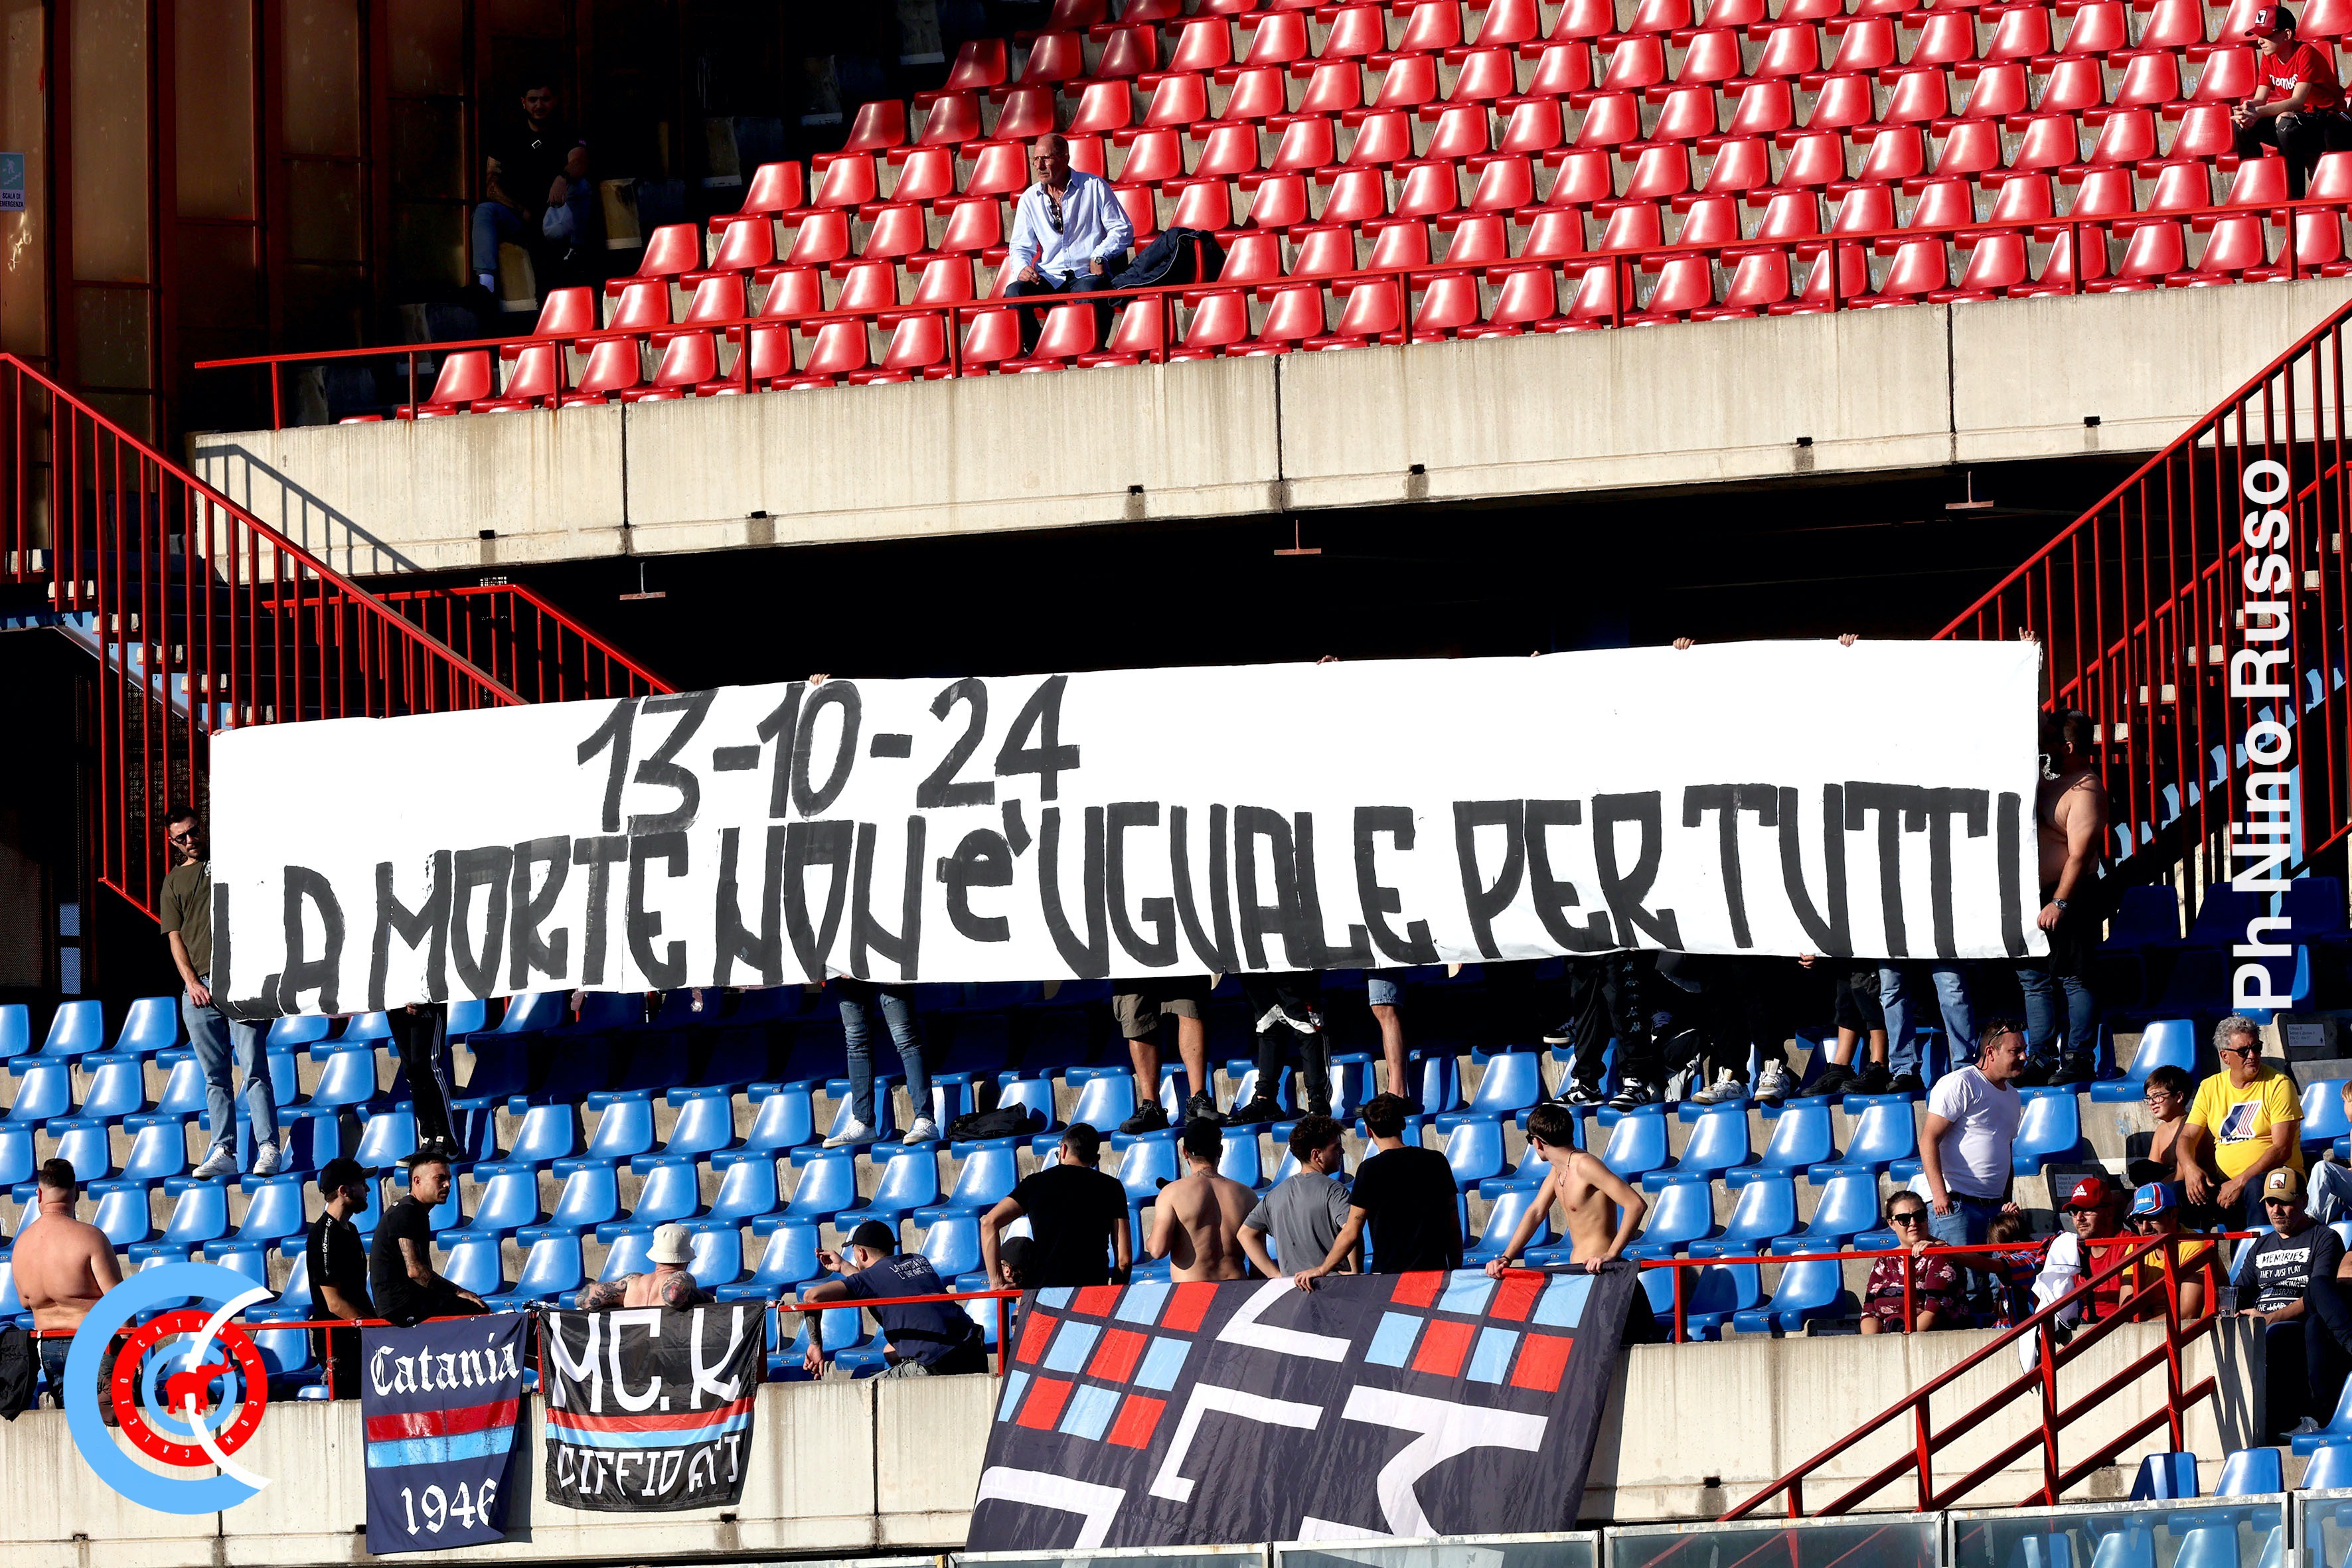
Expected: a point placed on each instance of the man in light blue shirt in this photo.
(1069, 234)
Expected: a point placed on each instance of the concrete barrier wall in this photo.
(1869, 391)
(843, 1468)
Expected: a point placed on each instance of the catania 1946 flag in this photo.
(1406, 1404)
(439, 1403)
(650, 1411)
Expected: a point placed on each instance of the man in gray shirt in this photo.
(1305, 1212)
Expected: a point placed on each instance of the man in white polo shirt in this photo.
(1965, 1141)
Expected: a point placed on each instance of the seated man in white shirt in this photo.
(1069, 234)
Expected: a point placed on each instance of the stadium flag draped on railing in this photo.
(649, 1411)
(439, 1402)
(1132, 822)
(1398, 1404)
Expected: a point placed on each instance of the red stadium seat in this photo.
(1996, 262)
(2058, 265)
(1476, 238)
(1946, 38)
(1102, 106)
(1306, 143)
(2021, 198)
(1218, 319)
(2149, 80)
(2180, 187)
(2097, 28)
(944, 280)
(1918, 97)
(1659, 169)
(1864, 209)
(1610, 119)
(1397, 243)
(1915, 268)
(1371, 312)
(920, 173)
(842, 180)
(1448, 303)
(834, 348)
(1353, 195)
(642, 303)
(1202, 203)
(1405, 80)
(1226, 150)
(1852, 278)
(1966, 147)
(464, 379)
(1790, 49)
(1137, 335)
(1053, 56)
(1759, 280)
(718, 296)
(866, 285)
(613, 366)
(1323, 250)
(993, 337)
(1142, 212)
(1561, 69)
(1711, 56)
(1941, 204)
(570, 310)
(1023, 113)
(1277, 39)
(1630, 225)
(1429, 188)
(979, 63)
(1431, 27)
(1580, 178)
(2195, 130)
(2045, 142)
(1356, 31)
(880, 123)
(1202, 44)
(1481, 76)
(1843, 101)
(1524, 295)
(1896, 152)
(973, 223)
(1076, 14)
(1458, 129)
(1276, 201)
(1508, 22)
(1533, 126)
(2233, 246)
(1292, 316)
(1147, 157)
(774, 188)
(1332, 86)
(1378, 137)
(1733, 13)
(1554, 234)
(897, 229)
(2154, 250)
(1253, 93)
(1685, 113)
(1863, 43)
(2224, 75)
(1506, 183)
(2263, 180)
(1789, 214)
(1739, 164)
(1584, 19)
(1812, 157)
(1595, 301)
(1178, 99)
(1765, 107)
(1995, 91)
(688, 359)
(537, 377)
(2098, 193)
(1069, 331)
(998, 169)
(2126, 135)
(1660, 17)
(1633, 62)
(2022, 32)
(1684, 284)
(2172, 25)
(2071, 85)
(1253, 256)
(820, 236)
(1706, 220)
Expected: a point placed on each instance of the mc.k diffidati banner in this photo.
(1759, 797)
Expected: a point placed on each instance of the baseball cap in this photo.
(2283, 1183)
(874, 1235)
(2089, 1192)
(2154, 1198)
(2270, 21)
(670, 1244)
(340, 1173)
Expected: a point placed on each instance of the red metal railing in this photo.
(2137, 605)
(1393, 319)
(2040, 1384)
(205, 617)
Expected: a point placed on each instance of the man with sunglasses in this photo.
(2248, 1117)
(2304, 1365)
(185, 911)
(1070, 234)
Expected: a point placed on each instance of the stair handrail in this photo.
(2042, 1379)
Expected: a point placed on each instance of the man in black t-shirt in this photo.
(2279, 1279)
(337, 1262)
(400, 1263)
(538, 190)
(929, 1339)
(1074, 1212)
(1406, 1194)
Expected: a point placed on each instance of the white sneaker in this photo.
(855, 1133)
(924, 1131)
(1772, 1083)
(1727, 1090)
(268, 1160)
(221, 1162)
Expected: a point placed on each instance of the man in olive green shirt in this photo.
(185, 914)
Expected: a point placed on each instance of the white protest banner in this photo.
(1763, 797)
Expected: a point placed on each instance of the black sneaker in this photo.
(1836, 1078)
(1632, 1094)
(1202, 1107)
(2074, 1070)
(1580, 1092)
(1906, 1083)
(2032, 1075)
(1563, 1035)
(1262, 1109)
(1321, 1107)
(1875, 1080)
(1149, 1118)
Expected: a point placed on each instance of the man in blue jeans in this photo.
(185, 911)
(860, 1001)
(540, 193)
(1901, 998)
(1966, 1139)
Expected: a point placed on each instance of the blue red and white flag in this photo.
(649, 1410)
(438, 1403)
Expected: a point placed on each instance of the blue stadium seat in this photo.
(910, 1180)
(152, 1025)
(2337, 1430)
(783, 1118)
(626, 1242)
(2051, 1129)
(1637, 1141)
(1513, 1082)
(2330, 1469)
(1765, 1212)
(1473, 1147)
(789, 1261)
(473, 1264)
(2208, 1546)
(1716, 1295)
(601, 1013)
(296, 1298)
(1848, 1206)
(531, 1013)
(85, 1146)
(286, 1358)
(546, 1134)
(672, 1189)
(199, 1210)
(1438, 1075)
(2165, 1477)
(987, 1177)
(718, 1256)
(1658, 1284)
(2166, 1042)
(1106, 1097)
(1803, 1137)
(1683, 1213)
(15, 1030)
(551, 1270)
(1718, 1141)
(291, 1033)
(47, 1091)
(2251, 1472)
(2147, 916)
(184, 1087)
(826, 1185)
(1150, 1160)
(952, 1243)
(747, 1184)
(17, 1154)
(1032, 1093)
(706, 1121)
(590, 1197)
(625, 1128)
(123, 1211)
(76, 1029)
(273, 1209)
(1883, 1133)
(1503, 1217)
(2315, 905)
(2324, 1118)
(118, 1088)
(346, 1079)
(508, 1199)
(886, 1108)
(388, 1137)
(1243, 1161)
(1810, 1287)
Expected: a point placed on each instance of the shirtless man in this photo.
(2070, 819)
(1196, 1221)
(62, 1267)
(1604, 1214)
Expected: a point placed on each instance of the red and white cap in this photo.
(2271, 22)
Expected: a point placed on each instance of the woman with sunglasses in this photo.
(1934, 1283)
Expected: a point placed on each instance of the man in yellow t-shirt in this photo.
(2250, 1117)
